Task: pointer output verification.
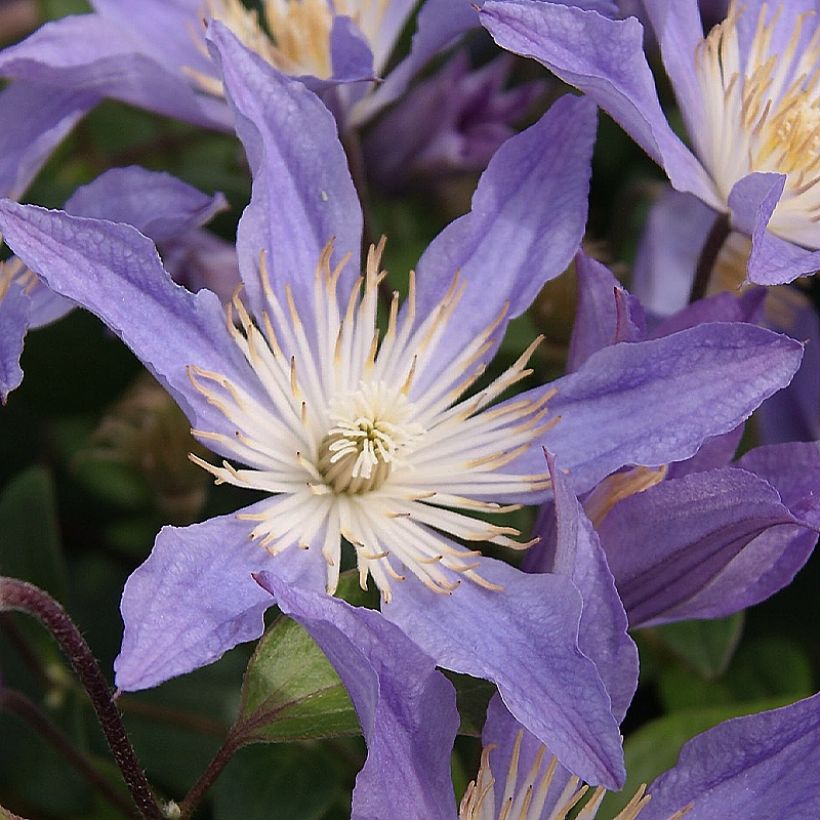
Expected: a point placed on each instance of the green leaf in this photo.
(654, 748)
(291, 691)
(472, 697)
(705, 646)
(29, 535)
(277, 783)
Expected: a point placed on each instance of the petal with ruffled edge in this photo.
(763, 765)
(406, 707)
(303, 195)
(651, 403)
(525, 639)
(526, 223)
(15, 309)
(703, 546)
(773, 261)
(194, 598)
(34, 119)
(570, 546)
(114, 271)
(605, 59)
(89, 53)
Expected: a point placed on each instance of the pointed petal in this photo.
(194, 598)
(602, 635)
(654, 402)
(524, 639)
(606, 312)
(702, 546)
(762, 765)
(114, 272)
(157, 204)
(773, 261)
(526, 223)
(568, 41)
(34, 119)
(303, 195)
(92, 54)
(15, 309)
(406, 707)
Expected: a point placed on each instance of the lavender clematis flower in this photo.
(747, 92)
(160, 206)
(371, 440)
(758, 767)
(702, 538)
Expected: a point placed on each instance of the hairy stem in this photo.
(209, 776)
(708, 256)
(20, 596)
(18, 704)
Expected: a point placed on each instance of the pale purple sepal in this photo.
(303, 195)
(764, 766)
(605, 59)
(525, 639)
(722, 307)
(713, 453)
(14, 321)
(699, 383)
(157, 204)
(773, 261)
(576, 553)
(115, 272)
(194, 598)
(606, 313)
(95, 55)
(350, 53)
(406, 707)
(34, 119)
(668, 251)
(526, 223)
(703, 546)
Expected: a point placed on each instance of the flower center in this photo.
(372, 429)
(762, 112)
(294, 35)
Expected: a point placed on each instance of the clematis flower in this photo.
(753, 767)
(159, 205)
(748, 93)
(376, 440)
(705, 537)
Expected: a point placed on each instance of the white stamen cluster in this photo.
(347, 447)
(762, 114)
(527, 799)
(292, 35)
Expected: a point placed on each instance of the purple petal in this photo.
(605, 59)
(664, 269)
(15, 308)
(89, 53)
(35, 119)
(406, 707)
(203, 260)
(525, 639)
(47, 306)
(350, 52)
(773, 261)
(194, 598)
(762, 766)
(654, 402)
(703, 546)
(713, 453)
(602, 634)
(723, 307)
(156, 204)
(303, 195)
(606, 312)
(114, 271)
(526, 223)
